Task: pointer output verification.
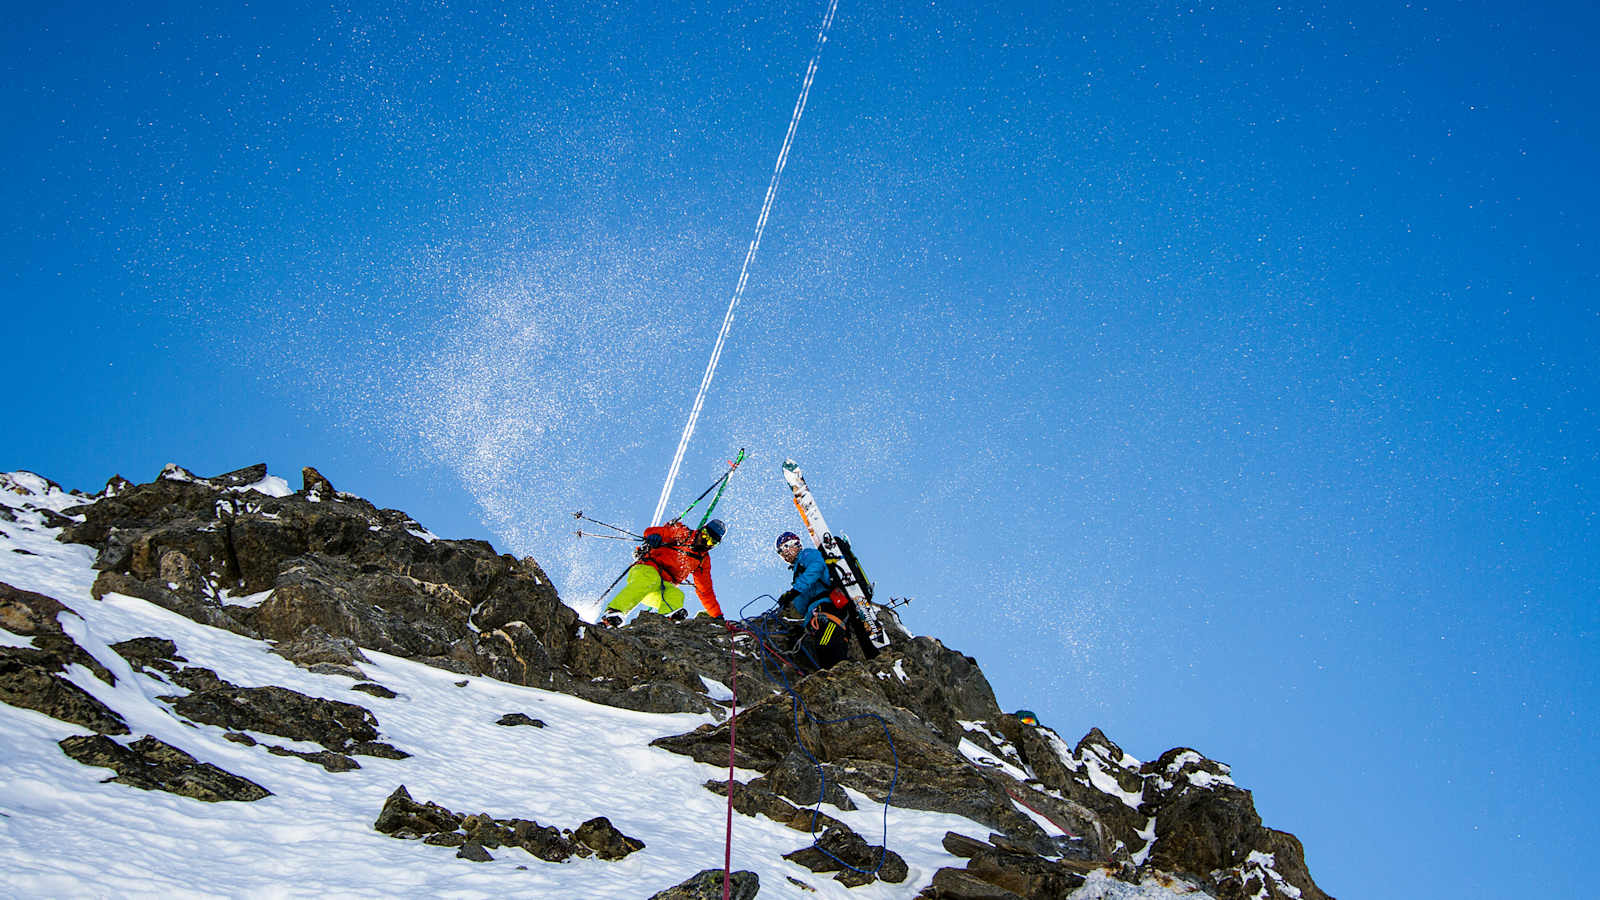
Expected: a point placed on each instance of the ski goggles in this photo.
(795, 543)
(708, 539)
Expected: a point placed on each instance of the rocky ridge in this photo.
(321, 574)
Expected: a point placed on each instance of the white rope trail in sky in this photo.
(744, 270)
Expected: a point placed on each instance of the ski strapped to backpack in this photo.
(844, 570)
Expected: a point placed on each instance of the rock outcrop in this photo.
(155, 765)
(476, 834)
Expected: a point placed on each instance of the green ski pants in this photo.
(645, 585)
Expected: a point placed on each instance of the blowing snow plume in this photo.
(532, 393)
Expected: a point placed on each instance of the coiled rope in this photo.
(764, 644)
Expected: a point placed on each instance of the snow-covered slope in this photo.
(66, 831)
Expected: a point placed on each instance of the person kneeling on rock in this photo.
(812, 596)
(672, 554)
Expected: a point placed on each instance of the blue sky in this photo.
(1222, 377)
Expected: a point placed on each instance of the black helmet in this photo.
(785, 538)
(715, 529)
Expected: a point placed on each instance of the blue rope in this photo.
(763, 640)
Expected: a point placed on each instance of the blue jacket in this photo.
(811, 581)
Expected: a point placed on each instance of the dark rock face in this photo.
(847, 853)
(27, 613)
(376, 690)
(599, 835)
(333, 562)
(34, 677)
(959, 884)
(898, 687)
(752, 800)
(511, 719)
(150, 655)
(707, 885)
(280, 711)
(155, 765)
(403, 817)
(317, 647)
(1014, 871)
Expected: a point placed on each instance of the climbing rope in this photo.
(733, 725)
(755, 629)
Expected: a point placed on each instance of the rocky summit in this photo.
(281, 627)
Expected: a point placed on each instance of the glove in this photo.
(654, 540)
(787, 597)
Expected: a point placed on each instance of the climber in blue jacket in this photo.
(811, 596)
(811, 584)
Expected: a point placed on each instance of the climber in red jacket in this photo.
(672, 554)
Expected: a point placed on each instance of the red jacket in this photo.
(678, 560)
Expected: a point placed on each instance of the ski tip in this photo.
(790, 465)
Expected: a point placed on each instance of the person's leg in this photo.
(643, 583)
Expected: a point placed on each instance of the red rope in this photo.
(733, 719)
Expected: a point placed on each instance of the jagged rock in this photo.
(36, 616)
(197, 678)
(927, 770)
(510, 719)
(313, 482)
(31, 679)
(795, 778)
(857, 862)
(314, 645)
(186, 600)
(274, 710)
(959, 884)
(150, 654)
(1022, 873)
(180, 574)
(599, 835)
(241, 477)
(333, 561)
(350, 672)
(403, 816)
(473, 851)
(333, 762)
(34, 677)
(963, 846)
(155, 765)
(752, 800)
(376, 748)
(544, 841)
(376, 690)
(707, 885)
(27, 613)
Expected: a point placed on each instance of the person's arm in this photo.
(704, 590)
(810, 576)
